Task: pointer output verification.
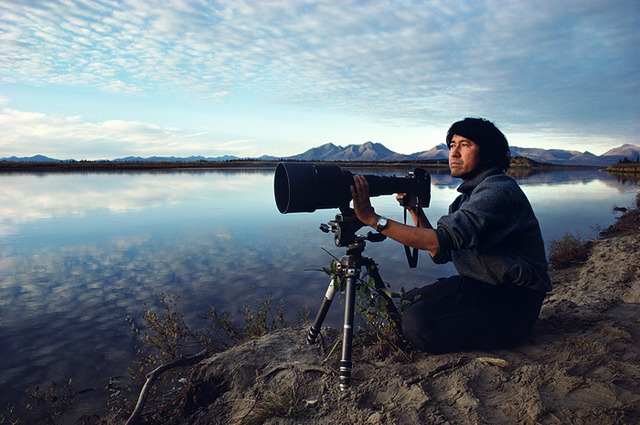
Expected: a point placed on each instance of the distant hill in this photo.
(371, 151)
(366, 152)
(36, 158)
(42, 158)
(175, 159)
(437, 152)
(630, 151)
(559, 156)
(627, 151)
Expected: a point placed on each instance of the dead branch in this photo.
(438, 370)
(154, 374)
(296, 366)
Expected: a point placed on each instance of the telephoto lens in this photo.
(306, 187)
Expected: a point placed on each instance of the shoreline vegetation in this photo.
(103, 165)
(624, 168)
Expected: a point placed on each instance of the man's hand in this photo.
(361, 201)
(400, 198)
(417, 214)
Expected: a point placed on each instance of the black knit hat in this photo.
(494, 147)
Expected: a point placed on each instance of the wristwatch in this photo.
(382, 224)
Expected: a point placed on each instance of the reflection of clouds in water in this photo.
(112, 281)
(75, 301)
(29, 198)
(567, 196)
(223, 234)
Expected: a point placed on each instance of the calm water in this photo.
(80, 252)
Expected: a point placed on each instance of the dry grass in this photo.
(568, 251)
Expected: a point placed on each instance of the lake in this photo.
(80, 252)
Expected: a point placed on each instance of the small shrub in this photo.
(166, 336)
(261, 319)
(51, 405)
(290, 405)
(568, 251)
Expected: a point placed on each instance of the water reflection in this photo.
(31, 198)
(80, 252)
(626, 178)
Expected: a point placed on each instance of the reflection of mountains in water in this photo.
(542, 176)
(573, 176)
(625, 179)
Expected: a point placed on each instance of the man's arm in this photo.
(423, 237)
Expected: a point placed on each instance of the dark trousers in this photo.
(459, 313)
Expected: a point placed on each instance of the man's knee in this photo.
(411, 322)
(416, 329)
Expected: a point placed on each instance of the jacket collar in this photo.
(468, 187)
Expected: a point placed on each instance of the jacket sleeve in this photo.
(445, 242)
(485, 219)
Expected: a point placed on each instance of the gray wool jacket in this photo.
(491, 234)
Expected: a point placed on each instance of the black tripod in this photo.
(344, 227)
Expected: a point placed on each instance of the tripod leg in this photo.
(322, 313)
(347, 338)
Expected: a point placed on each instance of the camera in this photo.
(306, 187)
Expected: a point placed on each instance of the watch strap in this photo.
(382, 224)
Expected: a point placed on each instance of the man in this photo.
(493, 238)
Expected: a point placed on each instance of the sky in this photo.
(83, 79)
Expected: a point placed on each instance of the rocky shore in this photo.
(581, 365)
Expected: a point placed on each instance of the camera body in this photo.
(421, 197)
(306, 187)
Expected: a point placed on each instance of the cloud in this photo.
(571, 65)
(24, 133)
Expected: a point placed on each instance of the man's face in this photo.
(464, 158)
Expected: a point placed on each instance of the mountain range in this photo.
(371, 151)
(377, 152)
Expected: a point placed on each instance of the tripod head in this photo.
(345, 226)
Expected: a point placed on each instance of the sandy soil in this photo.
(581, 365)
